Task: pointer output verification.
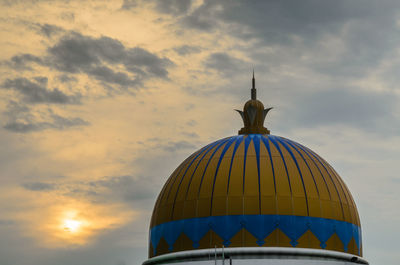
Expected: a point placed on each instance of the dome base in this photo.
(258, 255)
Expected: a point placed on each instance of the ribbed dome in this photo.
(254, 190)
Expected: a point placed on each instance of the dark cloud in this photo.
(65, 78)
(129, 4)
(107, 75)
(5, 222)
(49, 30)
(59, 123)
(76, 53)
(22, 119)
(203, 18)
(224, 63)
(37, 91)
(22, 61)
(38, 186)
(173, 6)
(186, 49)
(97, 57)
(351, 37)
(133, 191)
(174, 146)
(366, 110)
(127, 188)
(279, 21)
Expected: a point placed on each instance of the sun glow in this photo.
(72, 226)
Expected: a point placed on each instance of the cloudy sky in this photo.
(101, 100)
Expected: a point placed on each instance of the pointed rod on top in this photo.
(253, 89)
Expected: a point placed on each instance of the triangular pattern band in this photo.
(260, 226)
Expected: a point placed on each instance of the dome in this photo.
(254, 190)
(257, 198)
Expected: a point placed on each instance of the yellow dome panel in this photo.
(257, 184)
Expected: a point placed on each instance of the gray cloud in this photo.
(297, 30)
(365, 110)
(59, 123)
(38, 186)
(76, 53)
(127, 188)
(186, 49)
(107, 75)
(224, 63)
(21, 61)
(37, 91)
(106, 190)
(173, 6)
(278, 21)
(49, 30)
(203, 18)
(129, 4)
(65, 78)
(21, 119)
(174, 146)
(6, 222)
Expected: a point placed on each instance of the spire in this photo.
(253, 89)
(253, 114)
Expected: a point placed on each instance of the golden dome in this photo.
(254, 190)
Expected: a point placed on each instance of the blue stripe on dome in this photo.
(260, 226)
(273, 140)
(247, 141)
(315, 164)
(239, 140)
(216, 170)
(208, 162)
(266, 143)
(184, 174)
(256, 142)
(198, 163)
(305, 161)
(333, 183)
(298, 169)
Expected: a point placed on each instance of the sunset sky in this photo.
(101, 100)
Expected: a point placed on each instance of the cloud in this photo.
(107, 75)
(38, 186)
(224, 63)
(129, 4)
(173, 6)
(202, 18)
(365, 110)
(49, 30)
(76, 53)
(22, 119)
(6, 222)
(99, 58)
(37, 91)
(174, 146)
(59, 123)
(106, 190)
(186, 49)
(21, 61)
(125, 188)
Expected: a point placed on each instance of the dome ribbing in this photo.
(254, 190)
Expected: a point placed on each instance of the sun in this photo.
(72, 225)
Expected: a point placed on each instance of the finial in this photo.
(253, 89)
(254, 114)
